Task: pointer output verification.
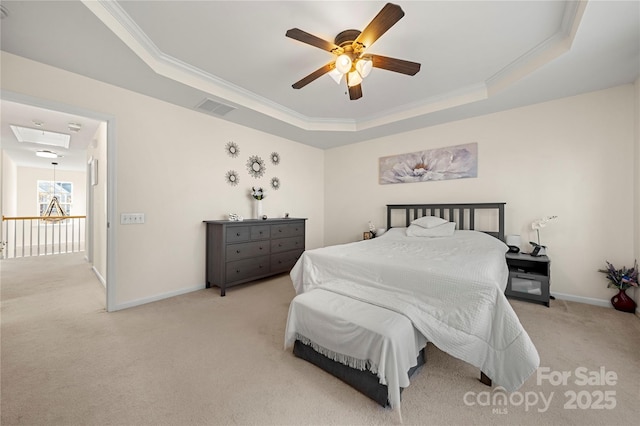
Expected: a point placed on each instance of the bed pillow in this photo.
(428, 222)
(445, 230)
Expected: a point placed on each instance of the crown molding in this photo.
(551, 48)
(125, 28)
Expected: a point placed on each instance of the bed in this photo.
(449, 287)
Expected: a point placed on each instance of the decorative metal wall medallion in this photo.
(275, 158)
(232, 149)
(275, 183)
(232, 178)
(255, 166)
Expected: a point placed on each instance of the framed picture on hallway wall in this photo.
(94, 171)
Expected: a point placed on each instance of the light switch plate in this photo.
(131, 218)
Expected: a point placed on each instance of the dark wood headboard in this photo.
(462, 214)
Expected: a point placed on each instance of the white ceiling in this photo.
(477, 57)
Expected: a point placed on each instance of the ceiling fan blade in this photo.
(396, 65)
(305, 37)
(385, 19)
(355, 92)
(317, 73)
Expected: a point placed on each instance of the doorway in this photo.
(96, 161)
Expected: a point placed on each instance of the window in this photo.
(62, 190)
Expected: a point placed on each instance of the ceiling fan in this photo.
(350, 47)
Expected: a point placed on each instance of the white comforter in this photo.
(451, 288)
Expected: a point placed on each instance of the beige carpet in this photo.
(203, 359)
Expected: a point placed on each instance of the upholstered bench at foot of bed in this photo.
(349, 338)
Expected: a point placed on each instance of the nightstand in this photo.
(529, 278)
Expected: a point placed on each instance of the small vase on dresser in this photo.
(258, 194)
(258, 209)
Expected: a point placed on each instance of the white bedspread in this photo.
(451, 288)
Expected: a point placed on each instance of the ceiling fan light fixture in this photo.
(351, 58)
(336, 75)
(47, 154)
(343, 64)
(354, 78)
(364, 67)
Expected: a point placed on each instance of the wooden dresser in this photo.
(238, 252)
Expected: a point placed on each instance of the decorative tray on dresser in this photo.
(239, 252)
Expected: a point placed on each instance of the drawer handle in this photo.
(260, 248)
(237, 234)
(279, 230)
(237, 251)
(279, 245)
(237, 271)
(260, 266)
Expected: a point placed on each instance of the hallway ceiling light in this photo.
(45, 153)
(43, 137)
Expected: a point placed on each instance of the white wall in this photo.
(9, 199)
(171, 165)
(573, 157)
(98, 153)
(8, 194)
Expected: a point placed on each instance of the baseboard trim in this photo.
(100, 277)
(561, 296)
(156, 298)
(581, 299)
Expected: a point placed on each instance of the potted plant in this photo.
(622, 279)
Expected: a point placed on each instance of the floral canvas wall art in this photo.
(453, 162)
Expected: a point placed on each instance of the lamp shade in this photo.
(353, 78)
(364, 67)
(343, 64)
(514, 240)
(336, 75)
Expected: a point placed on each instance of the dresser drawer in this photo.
(237, 233)
(283, 262)
(247, 268)
(287, 230)
(245, 250)
(286, 244)
(261, 232)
